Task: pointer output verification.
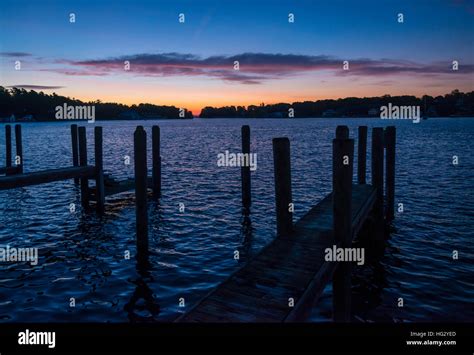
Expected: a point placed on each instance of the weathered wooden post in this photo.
(343, 156)
(141, 192)
(83, 162)
(283, 198)
(342, 132)
(75, 152)
(245, 170)
(156, 156)
(8, 143)
(99, 167)
(19, 148)
(362, 155)
(377, 181)
(390, 137)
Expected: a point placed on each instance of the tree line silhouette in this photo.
(41, 106)
(453, 104)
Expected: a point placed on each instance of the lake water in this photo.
(82, 257)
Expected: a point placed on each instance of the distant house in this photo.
(329, 113)
(374, 112)
(129, 115)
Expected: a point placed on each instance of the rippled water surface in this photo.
(83, 257)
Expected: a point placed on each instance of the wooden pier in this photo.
(283, 282)
(9, 168)
(81, 171)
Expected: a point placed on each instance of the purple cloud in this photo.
(254, 67)
(35, 87)
(15, 54)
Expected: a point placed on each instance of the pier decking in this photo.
(291, 267)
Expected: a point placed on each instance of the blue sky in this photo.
(435, 31)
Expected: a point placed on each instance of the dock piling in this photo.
(19, 148)
(342, 132)
(156, 168)
(141, 192)
(343, 155)
(99, 167)
(75, 152)
(283, 197)
(245, 170)
(83, 162)
(390, 137)
(377, 180)
(8, 143)
(362, 155)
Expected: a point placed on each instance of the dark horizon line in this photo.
(40, 107)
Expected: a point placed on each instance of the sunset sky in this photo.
(191, 64)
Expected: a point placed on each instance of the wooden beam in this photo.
(8, 143)
(46, 176)
(19, 148)
(141, 194)
(99, 167)
(342, 132)
(377, 181)
(75, 148)
(283, 197)
(156, 156)
(343, 156)
(83, 162)
(390, 138)
(245, 171)
(362, 155)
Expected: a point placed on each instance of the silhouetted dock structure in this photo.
(9, 168)
(80, 171)
(286, 278)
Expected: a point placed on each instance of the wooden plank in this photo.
(46, 176)
(343, 155)
(19, 148)
(10, 170)
(290, 266)
(245, 171)
(8, 146)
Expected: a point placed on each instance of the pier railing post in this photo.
(390, 137)
(75, 152)
(377, 180)
(283, 198)
(8, 143)
(342, 132)
(362, 155)
(343, 155)
(141, 192)
(245, 170)
(83, 162)
(99, 166)
(19, 148)
(156, 156)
